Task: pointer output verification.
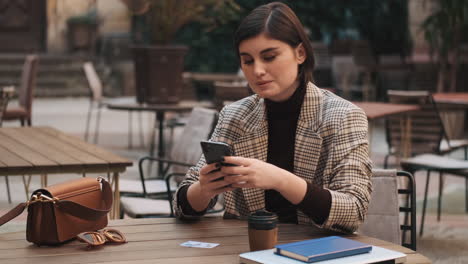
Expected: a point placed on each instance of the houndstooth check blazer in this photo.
(331, 150)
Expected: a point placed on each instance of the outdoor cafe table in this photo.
(376, 110)
(451, 98)
(158, 240)
(45, 150)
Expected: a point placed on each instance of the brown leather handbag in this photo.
(59, 212)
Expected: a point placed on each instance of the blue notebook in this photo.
(322, 249)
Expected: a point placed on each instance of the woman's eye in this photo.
(248, 62)
(269, 58)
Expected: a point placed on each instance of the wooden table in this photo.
(160, 111)
(45, 150)
(158, 241)
(451, 98)
(453, 108)
(376, 110)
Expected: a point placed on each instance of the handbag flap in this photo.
(66, 190)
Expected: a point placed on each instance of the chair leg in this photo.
(424, 203)
(88, 121)
(98, 121)
(142, 137)
(130, 134)
(439, 200)
(22, 122)
(7, 183)
(29, 122)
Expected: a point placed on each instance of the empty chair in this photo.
(185, 153)
(97, 102)
(428, 143)
(427, 133)
(392, 209)
(23, 111)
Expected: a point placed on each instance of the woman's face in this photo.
(271, 66)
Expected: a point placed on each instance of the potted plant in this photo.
(443, 30)
(159, 65)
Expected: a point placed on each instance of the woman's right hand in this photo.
(210, 183)
(212, 180)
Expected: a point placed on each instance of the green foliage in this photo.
(384, 23)
(442, 28)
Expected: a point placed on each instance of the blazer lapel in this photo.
(308, 143)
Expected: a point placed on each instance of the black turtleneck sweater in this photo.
(282, 123)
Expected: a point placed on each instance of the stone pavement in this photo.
(443, 242)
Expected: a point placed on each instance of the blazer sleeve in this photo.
(190, 178)
(349, 182)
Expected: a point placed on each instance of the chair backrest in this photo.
(28, 82)
(5, 95)
(187, 145)
(427, 130)
(383, 217)
(94, 82)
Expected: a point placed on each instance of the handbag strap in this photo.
(70, 207)
(12, 213)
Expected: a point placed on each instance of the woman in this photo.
(301, 152)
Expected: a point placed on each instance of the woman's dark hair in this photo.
(277, 21)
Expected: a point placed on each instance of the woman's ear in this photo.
(300, 53)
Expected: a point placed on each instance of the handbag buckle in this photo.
(39, 197)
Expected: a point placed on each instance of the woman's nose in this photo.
(259, 69)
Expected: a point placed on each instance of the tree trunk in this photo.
(442, 78)
(455, 59)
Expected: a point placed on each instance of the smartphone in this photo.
(215, 152)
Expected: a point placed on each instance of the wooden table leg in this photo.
(115, 212)
(26, 184)
(43, 180)
(407, 137)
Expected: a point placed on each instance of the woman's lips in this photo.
(263, 83)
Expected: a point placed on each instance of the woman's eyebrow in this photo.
(268, 50)
(261, 52)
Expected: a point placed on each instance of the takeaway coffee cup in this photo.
(263, 230)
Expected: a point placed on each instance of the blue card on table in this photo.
(322, 248)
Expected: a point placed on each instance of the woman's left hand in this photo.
(253, 173)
